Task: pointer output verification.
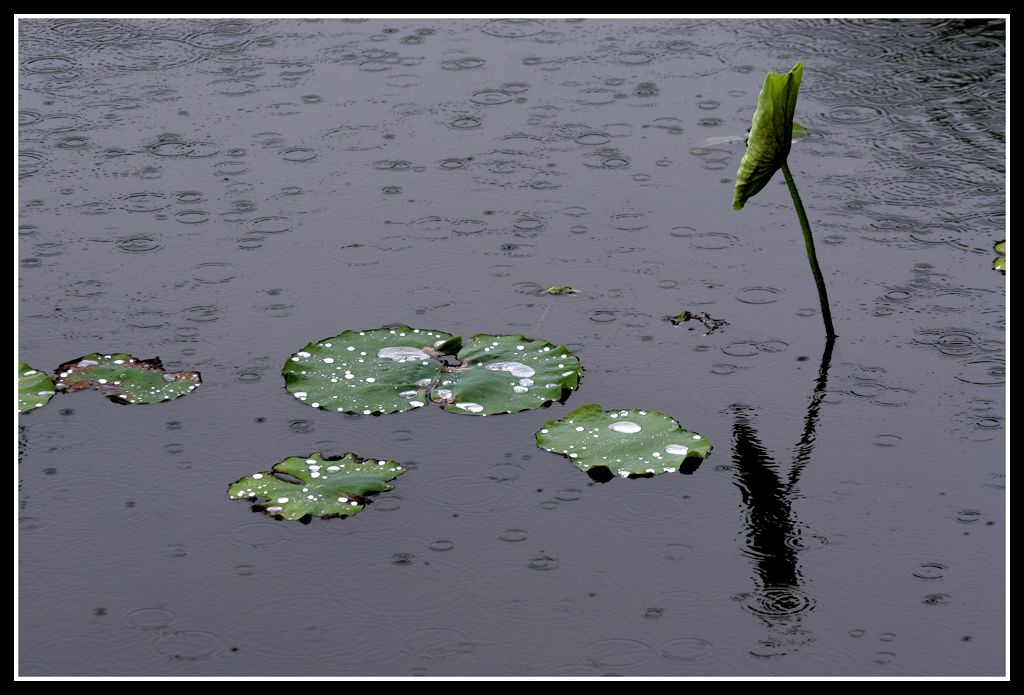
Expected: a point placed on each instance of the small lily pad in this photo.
(771, 134)
(35, 388)
(325, 487)
(125, 379)
(394, 369)
(1000, 262)
(626, 442)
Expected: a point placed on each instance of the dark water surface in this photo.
(219, 193)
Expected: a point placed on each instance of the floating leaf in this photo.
(1000, 263)
(325, 487)
(389, 370)
(560, 289)
(626, 442)
(125, 379)
(771, 134)
(385, 370)
(506, 374)
(35, 388)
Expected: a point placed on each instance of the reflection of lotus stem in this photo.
(812, 258)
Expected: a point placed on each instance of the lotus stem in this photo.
(812, 257)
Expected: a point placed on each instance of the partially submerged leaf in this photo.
(626, 442)
(125, 379)
(506, 374)
(326, 487)
(390, 370)
(35, 388)
(771, 134)
(560, 289)
(1000, 263)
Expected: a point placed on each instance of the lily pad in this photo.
(1000, 262)
(125, 379)
(625, 442)
(384, 370)
(326, 486)
(507, 374)
(771, 134)
(35, 388)
(394, 369)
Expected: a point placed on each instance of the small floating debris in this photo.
(561, 289)
(709, 323)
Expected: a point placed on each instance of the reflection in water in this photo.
(772, 533)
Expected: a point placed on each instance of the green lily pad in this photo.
(626, 442)
(35, 388)
(507, 374)
(394, 369)
(125, 379)
(326, 487)
(771, 134)
(384, 370)
(1000, 263)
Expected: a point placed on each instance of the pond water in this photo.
(218, 193)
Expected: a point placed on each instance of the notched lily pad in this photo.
(323, 486)
(771, 134)
(125, 379)
(1000, 262)
(35, 388)
(394, 369)
(625, 442)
